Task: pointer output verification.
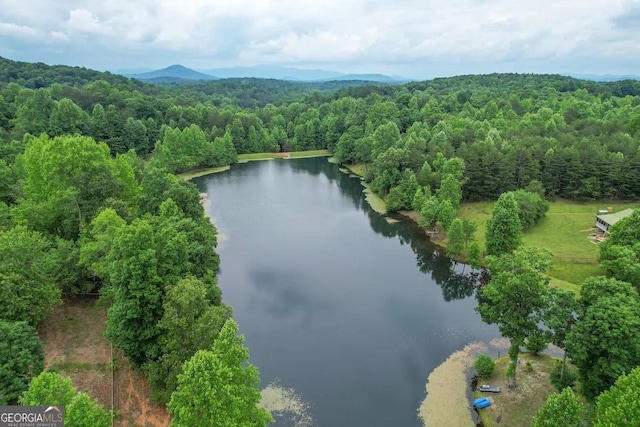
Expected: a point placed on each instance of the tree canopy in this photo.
(603, 343)
(219, 386)
(21, 358)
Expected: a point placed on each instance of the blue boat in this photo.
(482, 402)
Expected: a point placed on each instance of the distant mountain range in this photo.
(604, 77)
(175, 73)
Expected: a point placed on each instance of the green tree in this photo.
(146, 258)
(531, 207)
(620, 253)
(484, 365)
(446, 213)
(84, 411)
(67, 180)
(475, 256)
(429, 213)
(191, 322)
(48, 388)
(562, 409)
(604, 344)
(28, 291)
(223, 152)
(516, 298)
(97, 242)
(455, 238)
(32, 113)
(67, 118)
(620, 405)
(219, 387)
(21, 358)
(135, 136)
(504, 230)
(560, 318)
(51, 388)
(451, 190)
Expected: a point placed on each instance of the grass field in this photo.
(75, 345)
(564, 231)
(517, 407)
(293, 155)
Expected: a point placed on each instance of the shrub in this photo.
(568, 379)
(537, 343)
(484, 366)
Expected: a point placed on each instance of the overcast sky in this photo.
(413, 38)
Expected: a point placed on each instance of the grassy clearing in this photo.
(75, 345)
(517, 407)
(357, 169)
(446, 403)
(375, 201)
(292, 154)
(564, 231)
(202, 172)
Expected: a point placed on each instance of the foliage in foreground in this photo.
(604, 342)
(21, 358)
(51, 388)
(561, 410)
(620, 405)
(218, 387)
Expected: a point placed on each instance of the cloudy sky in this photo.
(414, 38)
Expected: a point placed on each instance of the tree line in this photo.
(88, 201)
(84, 221)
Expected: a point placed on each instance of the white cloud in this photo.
(83, 21)
(355, 34)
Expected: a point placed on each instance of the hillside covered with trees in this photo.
(89, 203)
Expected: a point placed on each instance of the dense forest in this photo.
(89, 200)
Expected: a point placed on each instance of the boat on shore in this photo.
(489, 388)
(482, 402)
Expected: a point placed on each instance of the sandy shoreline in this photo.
(446, 403)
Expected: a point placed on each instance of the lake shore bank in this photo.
(446, 403)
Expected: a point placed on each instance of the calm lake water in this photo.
(350, 311)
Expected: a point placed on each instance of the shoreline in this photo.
(447, 401)
(253, 157)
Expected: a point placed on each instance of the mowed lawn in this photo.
(564, 231)
(292, 154)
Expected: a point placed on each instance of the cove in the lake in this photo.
(341, 308)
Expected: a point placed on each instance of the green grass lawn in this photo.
(293, 154)
(518, 406)
(564, 231)
(357, 168)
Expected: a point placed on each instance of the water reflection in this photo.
(281, 293)
(352, 321)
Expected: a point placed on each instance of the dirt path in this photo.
(135, 405)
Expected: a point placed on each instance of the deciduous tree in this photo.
(219, 387)
(620, 405)
(604, 344)
(516, 298)
(28, 291)
(561, 409)
(504, 230)
(21, 358)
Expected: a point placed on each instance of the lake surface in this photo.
(350, 311)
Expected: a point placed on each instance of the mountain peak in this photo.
(172, 72)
